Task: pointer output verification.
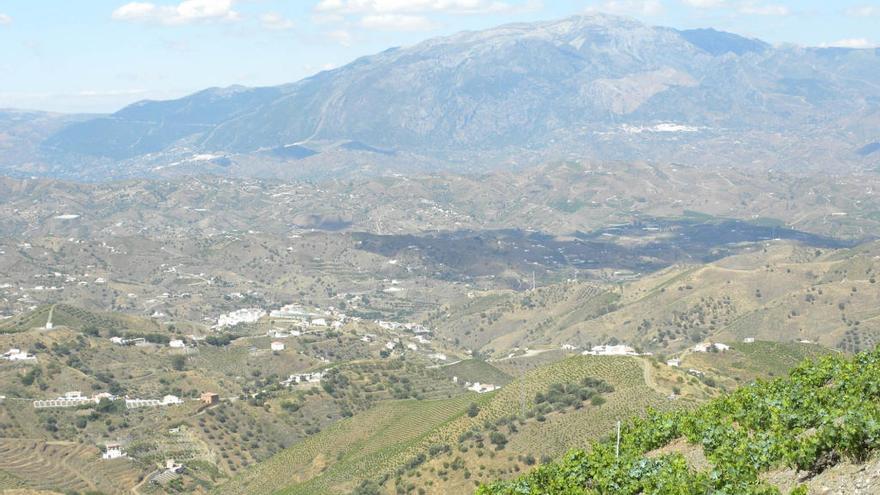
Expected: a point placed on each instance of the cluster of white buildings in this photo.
(310, 319)
(72, 399)
(14, 354)
(303, 378)
(397, 326)
(246, 315)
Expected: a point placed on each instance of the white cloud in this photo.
(704, 4)
(187, 11)
(276, 22)
(852, 43)
(413, 6)
(755, 8)
(5, 20)
(863, 11)
(397, 22)
(629, 7)
(410, 15)
(340, 36)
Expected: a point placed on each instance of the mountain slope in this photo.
(604, 86)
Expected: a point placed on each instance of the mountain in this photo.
(596, 86)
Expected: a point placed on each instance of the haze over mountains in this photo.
(596, 87)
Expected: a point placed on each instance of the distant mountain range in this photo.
(595, 87)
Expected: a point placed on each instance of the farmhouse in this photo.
(675, 363)
(18, 355)
(481, 388)
(210, 398)
(114, 451)
(277, 346)
(176, 344)
(749, 340)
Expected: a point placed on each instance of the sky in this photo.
(100, 55)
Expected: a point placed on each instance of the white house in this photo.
(611, 350)
(114, 451)
(707, 346)
(171, 400)
(568, 347)
(18, 355)
(481, 388)
(303, 378)
(277, 346)
(319, 322)
(176, 344)
(117, 340)
(749, 340)
(675, 363)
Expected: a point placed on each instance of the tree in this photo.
(473, 410)
(178, 363)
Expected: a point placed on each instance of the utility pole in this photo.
(617, 447)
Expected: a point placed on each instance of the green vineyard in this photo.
(823, 413)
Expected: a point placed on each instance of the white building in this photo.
(319, 322)
(749, 340)
(481, 388)
(14, 354)
(303, 378)
(114, 451)
(707, 346)
(71, 399)
(277, 346)
(568, 347)
(675, 363)
(611, 350)
(176, 344)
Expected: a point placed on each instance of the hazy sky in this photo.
(98, 55)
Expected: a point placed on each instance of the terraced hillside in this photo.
(65, 467)
(366, 445)
(408, 443)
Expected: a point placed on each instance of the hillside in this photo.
(450, 446)
(597, 86)
(791, 432)
(774, 292)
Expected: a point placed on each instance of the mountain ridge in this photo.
(599, 86)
